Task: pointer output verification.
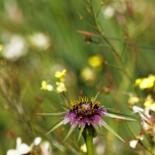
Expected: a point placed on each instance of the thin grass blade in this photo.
(80, 133)
(51, 114)
(56, 126)
(69, 133)
(113, 132)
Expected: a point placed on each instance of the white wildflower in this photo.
(21, 148)
(133, 143)
(39, 40)
(109, 12)
(46, 148)
(15, 48)
(83, 148)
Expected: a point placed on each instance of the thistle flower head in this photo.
(83, 112)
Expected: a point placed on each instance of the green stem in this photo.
(114, 51)
(88, 136)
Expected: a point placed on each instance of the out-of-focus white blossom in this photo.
(137, 109)
(15, 48)
(37, 141)
(144, 115)
(133, 143)
(22, 148)
(40, 40)
(108, 12)
(83, 148)
(46, 148)
(141, 112)
(100, 149)
(116, 6)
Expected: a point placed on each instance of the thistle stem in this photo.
(88, 136)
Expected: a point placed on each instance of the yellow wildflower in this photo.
(87, 74)
(149, 103)
(95, 61)
(146, 83)
(1, 47)
(133, 99)
(60, 75)
(61, 87)
(46, 86)
(138, 81)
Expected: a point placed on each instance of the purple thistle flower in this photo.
(83, 112)
(86, 115)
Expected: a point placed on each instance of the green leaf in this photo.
(56, 126)
(114, 133)
(51, 114)
(119, 116)
(69, 133)
(80, 133)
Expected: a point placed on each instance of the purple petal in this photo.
(66, 120)
(98, 120)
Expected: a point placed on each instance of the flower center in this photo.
(83, 107)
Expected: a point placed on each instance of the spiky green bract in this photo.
(56, 126)
(119, 116)
(113, 132)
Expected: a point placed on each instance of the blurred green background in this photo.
(40, 37)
